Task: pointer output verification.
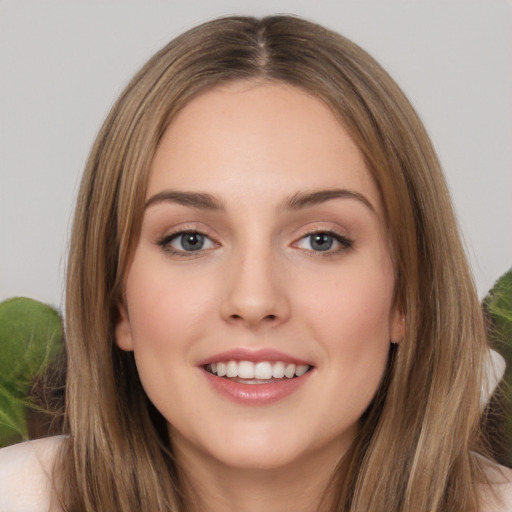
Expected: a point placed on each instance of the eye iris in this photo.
(321, 241)
(192, 241)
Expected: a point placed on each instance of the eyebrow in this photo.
(308, 199)
(298, 201)
(199, 200)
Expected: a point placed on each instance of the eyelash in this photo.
(165, 242)
(345, 244)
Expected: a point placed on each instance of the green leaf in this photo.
(498, 306)
(13, 426)
(498, 310)
(30, 336)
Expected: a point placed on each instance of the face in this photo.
(259, 297)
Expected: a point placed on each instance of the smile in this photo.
(260, 372)
(255, 378)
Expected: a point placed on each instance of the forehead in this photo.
(258, 138)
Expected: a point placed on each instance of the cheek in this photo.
(169, 313)
(355, 303)
(164, 306)
(350, 318)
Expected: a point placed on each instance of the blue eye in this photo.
(321, 241)
(191, 241)
(186, 242)
(324, 241)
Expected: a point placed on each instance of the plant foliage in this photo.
(30, 339)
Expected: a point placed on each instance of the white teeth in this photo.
(289, 371)
(221, 369)
(262, 370)
(301, 370)
(278, 370)
(246, 370)
(232, 369)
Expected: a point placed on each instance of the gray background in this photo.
(62, 64)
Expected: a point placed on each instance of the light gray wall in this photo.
(62, 64)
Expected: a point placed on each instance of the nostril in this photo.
(267, 317)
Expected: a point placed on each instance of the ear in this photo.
(123, 331)
(397, 326)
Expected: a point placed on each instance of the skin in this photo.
(259, 283)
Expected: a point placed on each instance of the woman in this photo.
(268, 305)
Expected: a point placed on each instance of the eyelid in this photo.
(345, 243)
(164, 241)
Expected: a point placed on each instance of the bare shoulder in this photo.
(497, 496)
(25, 475)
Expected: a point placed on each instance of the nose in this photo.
(255, 291)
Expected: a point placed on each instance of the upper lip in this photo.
(254, 355)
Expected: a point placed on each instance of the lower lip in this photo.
(255, 394)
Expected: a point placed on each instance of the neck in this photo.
(300, 486)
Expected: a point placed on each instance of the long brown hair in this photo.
(417, 443)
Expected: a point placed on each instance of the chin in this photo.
(251, 457)
(272, 447)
